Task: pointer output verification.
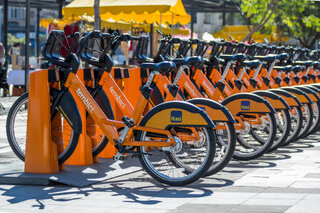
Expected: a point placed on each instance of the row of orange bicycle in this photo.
(199, 104)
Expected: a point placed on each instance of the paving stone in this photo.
(305, 206)
(225, 198)
(312, 175)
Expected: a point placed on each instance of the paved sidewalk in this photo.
(285, 181)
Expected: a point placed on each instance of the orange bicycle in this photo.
(174, 141)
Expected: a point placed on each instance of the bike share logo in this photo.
(176, 117)
(193, 93)
(208, 87)
(85, 100)
(117, 97)
(245, 105)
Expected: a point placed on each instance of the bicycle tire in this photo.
(227, 156)
(245, 156)
(316, 119)
(296, 124)
(176, 163)
(307, 117)
(280, 140)
(22, 100)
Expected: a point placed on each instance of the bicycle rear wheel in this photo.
(16, 128)
(226, 144)
(257, 138)
(307, 115)
(283, 129)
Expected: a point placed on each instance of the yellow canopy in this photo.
(239, 32)
(111, 24)
(127, 10)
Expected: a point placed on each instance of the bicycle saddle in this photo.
(191, 61)
(236, 57)
(303, 63)
(281, 56)
(252, 64)
(265, 58)
(165, 67)
(316, 64)
(287, 68)
(297, 68)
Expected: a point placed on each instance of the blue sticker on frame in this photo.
(245, 105)
(176, 116)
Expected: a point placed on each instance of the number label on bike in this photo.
(176, 116)
(245, 105)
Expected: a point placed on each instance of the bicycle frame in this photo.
(106, 125)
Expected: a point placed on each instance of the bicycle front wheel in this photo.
(16, 127)
(183, 164)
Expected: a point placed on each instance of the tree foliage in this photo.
(300, 19)
(12, 40)
(256, 13)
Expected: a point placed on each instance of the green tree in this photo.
(300, 19)
(12, 39)
(257, 13)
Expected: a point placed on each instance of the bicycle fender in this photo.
(312, 94)
(313, 88)
(302, 96)
(176, 113)
(276, 101)
(156, 96)
(317, 85)
(247, 103)
(102, 100)
(288, 97)
(215, 110)
(68, 108)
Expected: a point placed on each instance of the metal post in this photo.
(160, 22)
(60, 8)
(172, 50)
(192, 19)
(38, 33)
(151, 40)
(223, 15)
(193, 14)
(5, 31)
(172, 26)
(27, 49)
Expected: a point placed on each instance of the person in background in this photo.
(2, 55)
(3, 72)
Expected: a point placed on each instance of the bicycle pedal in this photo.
(122, 157)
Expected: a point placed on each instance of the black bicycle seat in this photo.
(281, 56)
(316, 64)
(297, 68)
(236, 57)
(165, 67)
(252, 64)
(283, 68)
(266, 58)
(191, 61)
(303, 63)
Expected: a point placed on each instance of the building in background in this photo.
(213, 22)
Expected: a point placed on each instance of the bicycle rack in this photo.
(41, 152)
(129, 81)
(82, 155)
